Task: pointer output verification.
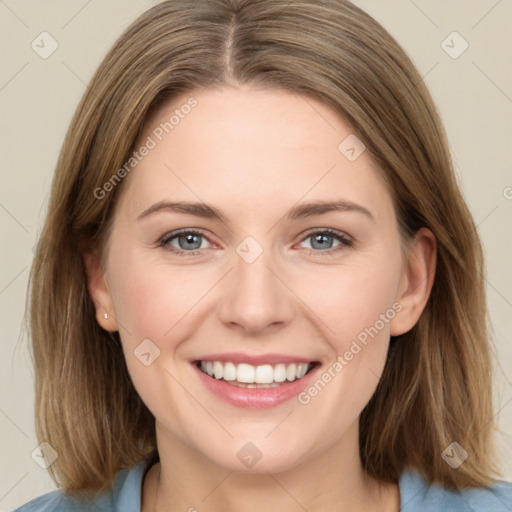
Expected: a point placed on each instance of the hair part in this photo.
(436, 386)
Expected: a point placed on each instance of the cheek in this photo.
(357, 304)
(365, 299)
(155, 302)
(150, 300)
(350, 298)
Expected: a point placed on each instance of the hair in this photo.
(436, 387)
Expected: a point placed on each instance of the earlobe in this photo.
(99, 292)
(416, 281)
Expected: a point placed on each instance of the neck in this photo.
(331, 481)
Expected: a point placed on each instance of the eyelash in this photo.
(345, 242)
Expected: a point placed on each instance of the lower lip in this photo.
(254, 398)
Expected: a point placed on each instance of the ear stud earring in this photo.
(106, 315)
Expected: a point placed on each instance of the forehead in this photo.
(251, 148)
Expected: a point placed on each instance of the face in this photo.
(250, 283)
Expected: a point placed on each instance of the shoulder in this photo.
(416, 493)
(124, 496)
(58, 501)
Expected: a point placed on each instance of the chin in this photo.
(254, 457)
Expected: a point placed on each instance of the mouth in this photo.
(268, 382)
(249, 376)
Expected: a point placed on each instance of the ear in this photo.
(416, 281)
(99, 291)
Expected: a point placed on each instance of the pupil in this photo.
(189, 239)
(322, 240)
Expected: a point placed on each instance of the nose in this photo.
(256, 298)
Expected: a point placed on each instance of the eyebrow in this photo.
(301, 211)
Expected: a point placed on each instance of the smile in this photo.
(247, 375)
(255, 385)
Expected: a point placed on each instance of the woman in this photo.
(260, 287)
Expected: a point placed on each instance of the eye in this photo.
(184, 242)
(323, 242)
(188, 242)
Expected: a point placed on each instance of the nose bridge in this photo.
(255, 297)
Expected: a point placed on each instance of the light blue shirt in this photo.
(415, 495)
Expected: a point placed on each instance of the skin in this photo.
(254, 154)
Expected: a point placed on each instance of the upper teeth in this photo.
(247, 373)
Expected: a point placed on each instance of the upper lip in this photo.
(254, 359)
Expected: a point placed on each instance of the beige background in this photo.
(38, 97)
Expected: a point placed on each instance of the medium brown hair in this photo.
(436, 385)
